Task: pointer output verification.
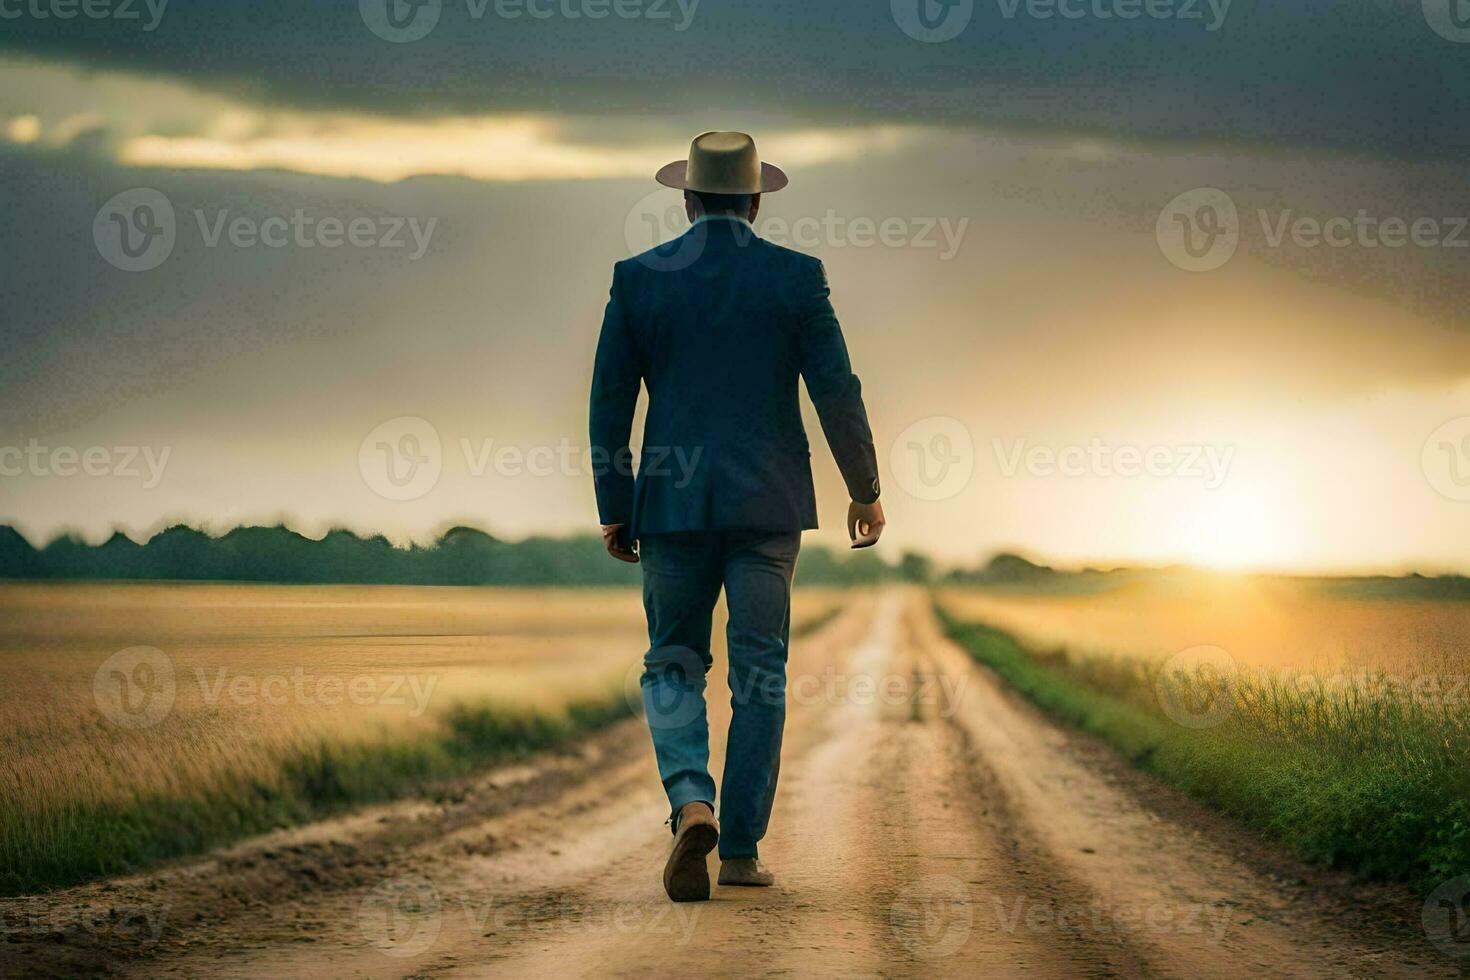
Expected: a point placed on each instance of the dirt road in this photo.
(928, 824)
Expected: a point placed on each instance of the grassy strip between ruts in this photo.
(1366, 779)
(48, 849)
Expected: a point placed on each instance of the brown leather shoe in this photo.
(746, 873)
(686, 877)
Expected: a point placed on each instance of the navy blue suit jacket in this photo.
(719, 325)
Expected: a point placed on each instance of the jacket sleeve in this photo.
(834, 389)
(616, 378)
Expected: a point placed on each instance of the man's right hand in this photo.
(612, 539)
(865, 523)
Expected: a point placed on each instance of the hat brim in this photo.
(676, 175)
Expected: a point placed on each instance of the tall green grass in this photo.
(53, 847)
(1369, 772)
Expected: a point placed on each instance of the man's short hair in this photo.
(722, 203)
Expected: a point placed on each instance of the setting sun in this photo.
(1241, 527)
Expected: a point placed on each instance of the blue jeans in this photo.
(682, 577)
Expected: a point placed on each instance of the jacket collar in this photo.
(724, 228)
(722, 217)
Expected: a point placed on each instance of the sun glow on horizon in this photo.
(1241, 529)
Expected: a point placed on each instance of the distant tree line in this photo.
(469, 556)
(1011, 571)
(461, 556)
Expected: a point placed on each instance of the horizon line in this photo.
(1076, 567)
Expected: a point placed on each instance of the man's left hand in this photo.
(865, 523)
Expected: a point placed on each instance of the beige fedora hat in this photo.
(723, 163)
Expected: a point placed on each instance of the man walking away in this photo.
(720, 325)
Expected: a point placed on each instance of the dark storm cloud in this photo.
(1059, 259)
(1367, 75)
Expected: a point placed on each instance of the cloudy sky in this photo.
(1126, 280)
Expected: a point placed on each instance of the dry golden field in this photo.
(119, 696)
(1260, 622)
(1333, 715)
